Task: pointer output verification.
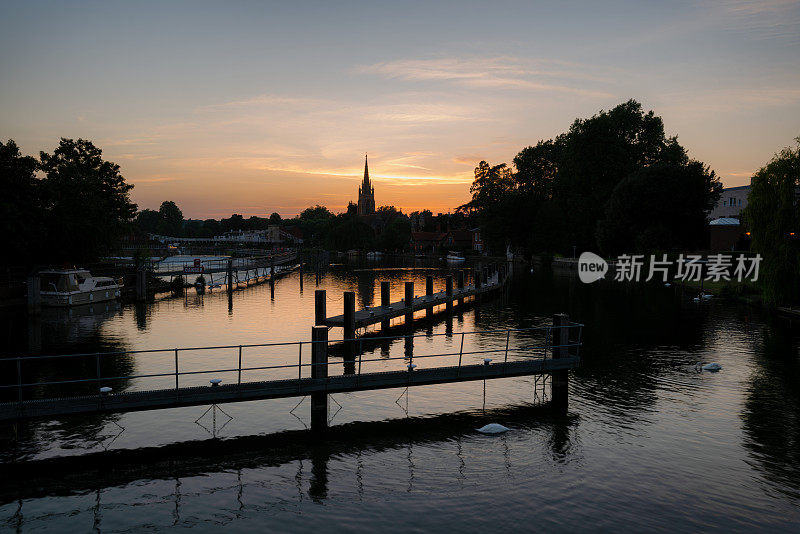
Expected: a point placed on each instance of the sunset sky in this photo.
(255, 107)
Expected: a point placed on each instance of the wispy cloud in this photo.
(493, 73)
(774, 19)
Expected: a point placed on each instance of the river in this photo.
(647, 444)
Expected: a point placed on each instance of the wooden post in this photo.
(349, 315)
(301, 277)
(272, 275)
(230, 275)
(141, 285)
(385, 301)
(461, 287)
(34, 294)
(319, 307)
(429, 294)
(319, 371)
(560, 379)
(409, 303)
(448, 290)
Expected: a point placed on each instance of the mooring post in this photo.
(560, 379)
(34, 294)
(409, 303)
(385, 296)
(141, 285)
(429, 294)
(319, 307)
(272, 273)
(349, 314)
(319, 370)
(230, 275)
(461, 287)
(448, 291)
(301, 277)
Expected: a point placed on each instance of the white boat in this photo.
(455, 257)
(71, 287)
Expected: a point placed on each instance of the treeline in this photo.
(612, 183)
(388, 230)
(68, 206)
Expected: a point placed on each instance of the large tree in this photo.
(20, 206)
(660, 207)
(170, 219)
(773, 217)
(86, 201)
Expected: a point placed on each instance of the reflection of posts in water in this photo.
(318, 486)
(448, 291)
(319, 371)
(409, 345)
(429, 294)
(560, 381)
(448, 325)
(301, 277)
(229, 270)
(409, 302)
(460, 287)
(141, 285)
(385, 301)
(230, 303)
(140, 312)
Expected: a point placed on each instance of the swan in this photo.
(493, 428)
(667, 284)
(713, 367)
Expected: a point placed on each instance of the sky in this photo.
(259, 107)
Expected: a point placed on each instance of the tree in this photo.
(661, 207)
(20, 206)
(170, 219)
(773, 217)
(148, 221)
(491, 202)
(86, 201)
(275, 218)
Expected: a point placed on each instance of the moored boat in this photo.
(71, 287)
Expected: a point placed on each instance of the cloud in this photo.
(774, 19)
(492, 73)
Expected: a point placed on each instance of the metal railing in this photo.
(541, 346)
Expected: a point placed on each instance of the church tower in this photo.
(366, 194)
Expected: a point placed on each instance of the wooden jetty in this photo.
(490, 279)
(555, 356)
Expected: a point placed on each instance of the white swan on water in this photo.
(708, 367)
(493, 428)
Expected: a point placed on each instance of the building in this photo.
(731, 203)
(427, 242)
(366, 194)
(477, 242)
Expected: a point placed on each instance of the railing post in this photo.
(448, 291)
(19, 378)
(34, 294)
(176, 373)
(560, 378)
(299, 364)
(429, 295)
(508, 338)
(97, 363)
(409, 304)
(460, 353)
(240, 364)
(385, 302)
(319, 307)
(319, 370)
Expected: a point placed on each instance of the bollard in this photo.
(429, 294)
(448, 291)
(34, 294)
(349, 315)
(319, 371)
(385, 301)
(461, 287)
(319, 307)
(560, 379)
(409, 303)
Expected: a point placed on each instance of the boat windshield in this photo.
(57, 282)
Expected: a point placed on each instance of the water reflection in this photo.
(771, 417)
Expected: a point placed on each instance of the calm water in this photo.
(647, 443)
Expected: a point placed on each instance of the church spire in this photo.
(365, 187)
